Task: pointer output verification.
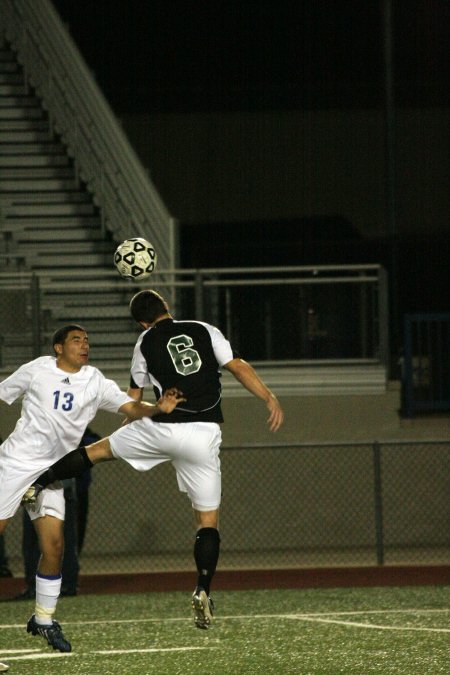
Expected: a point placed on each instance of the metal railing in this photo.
(291, 315)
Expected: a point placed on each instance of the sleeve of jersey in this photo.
(139, 376)
(113, 397)
(221, 346)
(16, 384)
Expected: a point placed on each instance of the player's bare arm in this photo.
(247, 376)
(138, 408)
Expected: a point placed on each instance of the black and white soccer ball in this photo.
(135, 258)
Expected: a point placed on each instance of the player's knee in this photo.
(206, 519)
(99, 451)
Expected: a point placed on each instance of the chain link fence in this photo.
(284, 506)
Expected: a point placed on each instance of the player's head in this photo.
(147, 306)
(60, 335)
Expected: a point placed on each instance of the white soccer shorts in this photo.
(15, 480)
(192, 447)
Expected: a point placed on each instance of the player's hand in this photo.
(276, 416)
(169, 400)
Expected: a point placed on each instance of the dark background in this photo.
(163, 55)
(159, 57)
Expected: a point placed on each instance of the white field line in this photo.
(42, 655)
(108, 652)
(323, 617)
(357, 624)
(148, 651)
(17, 651)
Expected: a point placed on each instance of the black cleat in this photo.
(31, 495)
(203, 608)
(52, 633)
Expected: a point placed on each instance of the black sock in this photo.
(70, 466)
(206, 554)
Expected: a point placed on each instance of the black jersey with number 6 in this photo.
(187, 355)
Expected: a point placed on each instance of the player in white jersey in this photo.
(61, 395)
(186, 355)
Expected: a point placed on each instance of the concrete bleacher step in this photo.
(43, 209)
(76, 300)
(54, 249)
(48, 197)
(21, 113)
(18, 185)
(16, 101)
(7, 67)
(19, 161)
(58, 237)
(36, 172)
(45, 223)
(11, 76)
(41, 124)
(20, 149)
(51, 226)
(26, 136)
(94, 312)
(89, 260)
(12, 93)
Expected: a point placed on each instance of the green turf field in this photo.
(327, 631)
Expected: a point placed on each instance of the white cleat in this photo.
(203, 608)
(31, 495)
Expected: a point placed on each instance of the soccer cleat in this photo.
(3, 667)
(203, 608)
(52, 633)
(31, 495)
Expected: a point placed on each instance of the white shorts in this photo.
(15, 479)
(192, 447)
(50, 502)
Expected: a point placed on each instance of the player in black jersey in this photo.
(178, 356)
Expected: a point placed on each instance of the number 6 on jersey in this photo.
(185, 359)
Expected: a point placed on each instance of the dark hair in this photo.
(59, 336)
(148, 306)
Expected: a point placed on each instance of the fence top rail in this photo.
(195, 272)
(286, 445)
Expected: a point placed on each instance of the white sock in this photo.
(47, 592)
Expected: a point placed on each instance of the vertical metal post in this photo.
(407, 377)
(228, 323)
(383, 317)
(268, 323)
(378, 503)
(199, 299)
(390, 182)
(36, 326)
(363, 319)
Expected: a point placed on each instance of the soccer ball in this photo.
(135, 258)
